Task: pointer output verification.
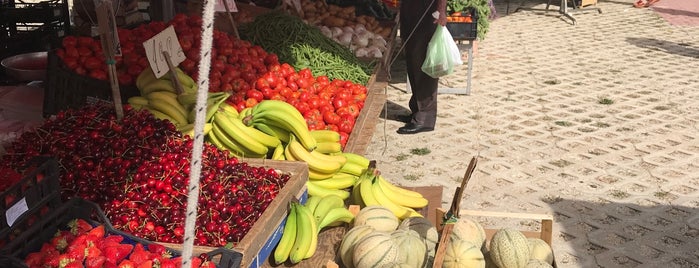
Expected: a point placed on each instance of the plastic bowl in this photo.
(27, 67)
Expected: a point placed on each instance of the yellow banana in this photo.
(367, 193)
(339, 214)
(278, 153)
(158, 85)
(356, 196)
(236, 130)
(327, 203)
(284, 115)
(145, 77)
(330, 158)
(328, 147)
(160, 115)
(185, 128)
(286, 242)
(268, 140)
(337, 181)
(288, 155)
(315, 190)
(325, 135)
(314, 231)
(232, 144)
(188, 100)
(216, 142)
(138, 100)
(356, 159)
(245, 113)
(401, 196)
(228, 109)
(315, 163)
(170, 98)
(400, 211)
(281, 134)
(315, 175)
(304, 234)
(165, 107)
(312, 202)
(207, 130)
(352, 168)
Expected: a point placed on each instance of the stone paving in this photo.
(594, 123)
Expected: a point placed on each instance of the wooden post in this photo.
(173, 73)
(109, 39)
(230, 19)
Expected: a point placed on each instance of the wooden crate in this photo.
(260, 241)
(545, 221)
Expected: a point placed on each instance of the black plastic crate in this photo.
(65, 89)
(465, 30)
(27, 200)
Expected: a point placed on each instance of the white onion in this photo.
(359, 27)
(374, 52)
(326, 31)
(378, 40)
(361, 52)
(337, 31)
(348, 29)
(360, 39)
(345, 39)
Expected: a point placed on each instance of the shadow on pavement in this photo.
(641, 234)
(682, 49)
(394, 111)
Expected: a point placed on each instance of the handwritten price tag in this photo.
(164, 41)
(219, 7)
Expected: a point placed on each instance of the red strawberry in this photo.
(146, 264)
(95, 262)
(110, 240)
(97, 231)
(74, 264)
(34, 258)
(91, 252)
(157, 249)
(64, 259)
(196, 261)
(77, 253)
(208, 264)
(79, 226)
(170, 263)
(59, 242)
(139, 254)
(117, 253)
(80, 243)
(51, 258)
(127, 264)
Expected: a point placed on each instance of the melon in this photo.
(375, 250)
(379, 217)
(425, 229)
(397, 265)
(349, 240)
(463, 254)
(412, 249)
(470, 230)
(535, 263)
(540, 250)
(509, 248)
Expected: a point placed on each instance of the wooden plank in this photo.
(365, 125)
(261, 239)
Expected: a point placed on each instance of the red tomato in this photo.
(125, 79)
(339, 103)
(332, 127)
(344, 136)
(343, 94)
(80, 70)
(93, 63)
(271, 59)
(353, 109)
(346, 124)
(69, 41)
(331, 118)
(261, 83)
(315, 124)
(251, 102)
(313, 114)
(306, 73)
(314, 102)
(71, 62)
(323, 80)
(254, 94)
(72, 52)
(84, 51)
(188, 65)
(98, 74)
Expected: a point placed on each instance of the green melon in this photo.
(425, 229)
(463, 254)
(470, 230)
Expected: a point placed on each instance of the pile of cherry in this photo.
(137, 170)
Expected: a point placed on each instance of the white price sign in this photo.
(219, 7)
(15, 211)
(165, 41)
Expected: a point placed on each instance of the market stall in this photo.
(245, 153)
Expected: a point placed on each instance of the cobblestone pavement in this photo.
(594, 123)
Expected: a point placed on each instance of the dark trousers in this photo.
(423, 102)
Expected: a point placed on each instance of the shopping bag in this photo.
(442, 54)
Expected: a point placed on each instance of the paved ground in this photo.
(595, 124)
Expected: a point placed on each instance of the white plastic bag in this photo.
(442, 54)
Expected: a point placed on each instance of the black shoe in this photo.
(411, 128)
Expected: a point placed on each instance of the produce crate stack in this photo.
(28, 27)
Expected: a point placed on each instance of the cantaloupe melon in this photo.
(412, 249)
(540, 250)
(469, 229)
(349, 240)
(509, 248)
(425, 229)
(375, 250)
(379, 217)
(463, 254)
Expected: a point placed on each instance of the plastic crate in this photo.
(35, 194)
(64, 89)
(465, 30)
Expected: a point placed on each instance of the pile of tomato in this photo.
(246, 71)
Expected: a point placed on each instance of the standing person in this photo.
(416, 28)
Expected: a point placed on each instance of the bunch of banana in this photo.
(275, 113)
(146, 82)
(228, 132)
(373, 189)
(299, 239)
(329, 211)
(327, 141)
(320, 166)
